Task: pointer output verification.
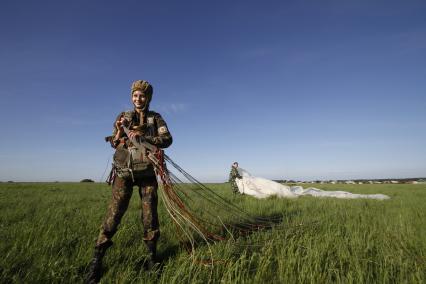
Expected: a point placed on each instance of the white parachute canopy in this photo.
(263, 188)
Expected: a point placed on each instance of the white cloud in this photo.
(172, 108)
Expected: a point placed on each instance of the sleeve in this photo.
(163, 139)
(233, 174)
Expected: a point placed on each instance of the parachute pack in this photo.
(129, 161)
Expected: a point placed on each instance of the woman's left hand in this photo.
(134, 134)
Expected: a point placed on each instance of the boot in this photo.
(152, 249)
(95, 270)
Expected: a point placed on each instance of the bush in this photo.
(86, 180)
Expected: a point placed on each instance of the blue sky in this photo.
(290, 89)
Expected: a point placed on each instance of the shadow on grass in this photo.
(238, 231)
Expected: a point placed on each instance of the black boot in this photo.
(152, 249)
(95, 270)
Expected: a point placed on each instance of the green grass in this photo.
(47, 233)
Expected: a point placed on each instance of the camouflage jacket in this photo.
(233, 175)
(153, 128)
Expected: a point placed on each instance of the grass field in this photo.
(47, 233)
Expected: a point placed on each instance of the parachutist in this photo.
(133, 165)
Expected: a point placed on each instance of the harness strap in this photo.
(111, 177)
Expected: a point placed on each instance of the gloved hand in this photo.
(135, 134)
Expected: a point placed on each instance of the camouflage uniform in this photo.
(232, 176)
(154, 130)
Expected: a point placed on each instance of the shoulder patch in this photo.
(162, 130)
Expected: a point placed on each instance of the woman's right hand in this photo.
(120, 123)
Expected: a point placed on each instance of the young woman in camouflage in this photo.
(151, 127)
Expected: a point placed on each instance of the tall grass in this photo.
(47, 233)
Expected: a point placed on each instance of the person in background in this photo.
(234, 175)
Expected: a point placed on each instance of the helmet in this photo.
(145, 87)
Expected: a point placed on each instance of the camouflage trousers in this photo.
(122, 190)
(234, 187)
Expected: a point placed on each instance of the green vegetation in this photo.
(47, 233)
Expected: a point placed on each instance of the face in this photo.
(139, 99)
(235, 165)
